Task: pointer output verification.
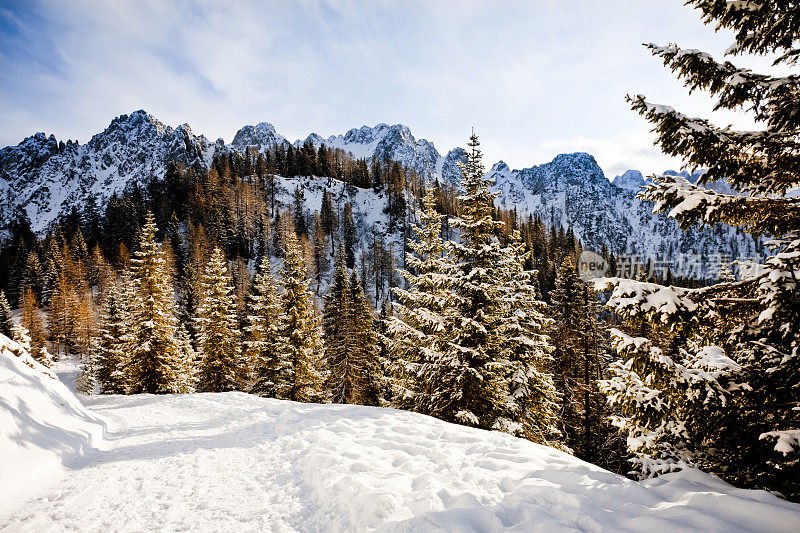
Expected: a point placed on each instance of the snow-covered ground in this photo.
(235, 462)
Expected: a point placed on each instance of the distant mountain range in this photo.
(46, 177)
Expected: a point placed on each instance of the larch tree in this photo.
(301, 327)
(155, 365)
(723, 393)
(33, 322)
(270, 369)
(219, 336)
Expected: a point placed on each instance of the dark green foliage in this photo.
(350, 341)
(349, 235)
(745, 430)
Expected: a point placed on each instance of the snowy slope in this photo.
(43, 426)
(235, 462)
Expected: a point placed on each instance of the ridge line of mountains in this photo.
(46, 177)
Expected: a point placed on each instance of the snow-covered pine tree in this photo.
(473, 379)
(417, 333)
(20, 335)
(219, 340)
(265, 347)
(300, 328)
(155, 364)
(6, 323)
(533, 398)
(726, 399)
(112, 344)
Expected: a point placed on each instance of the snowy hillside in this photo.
(46, 177)
(42, 426)
(232, 461)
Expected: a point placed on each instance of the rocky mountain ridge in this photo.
(45, 178)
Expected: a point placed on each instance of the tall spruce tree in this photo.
(219, 336)
(350, 341)
(112, 344)
(419, 331)
(342, 380)
(722, 392)
(475, 373)
(265, 351)
(533, 400)
(578, 341)
(155, 365)
(300, 328)
(365, 341)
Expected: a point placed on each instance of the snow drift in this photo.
(43, 426)
(232, 461)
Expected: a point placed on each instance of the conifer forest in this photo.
(242, 298)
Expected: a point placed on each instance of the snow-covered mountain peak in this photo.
(365, 134)
(315, 139)
(692, 177)
(33, 150)
(395, 143)
(500, 166)
(261, 136)
(631, 180)
(137, 127)
(46, 177)
(580, 162)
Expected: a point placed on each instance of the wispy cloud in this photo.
(534, 78)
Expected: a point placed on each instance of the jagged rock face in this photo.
(450, 172)
(27, 156)
(382, 141)
(261, 136)
(133, 148)
(572, 191)
(630, 180)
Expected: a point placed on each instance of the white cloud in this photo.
(533, 78)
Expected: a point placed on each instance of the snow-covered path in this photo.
(234, 462)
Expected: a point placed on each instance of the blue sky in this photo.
(535, 78)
